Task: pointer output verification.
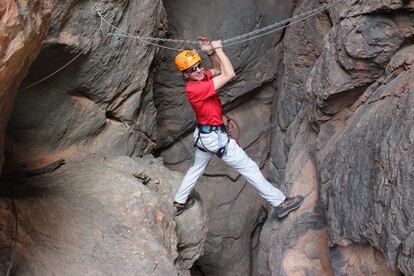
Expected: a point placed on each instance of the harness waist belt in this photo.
(206, 129)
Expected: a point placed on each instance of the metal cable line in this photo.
(226, 42)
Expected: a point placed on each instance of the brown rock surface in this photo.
(325, 108)
(359, 260)
(359, 102)
(296, 245)
(234, 207)
(101, 102)
(374, 152)
(361, 87)
(252, 60)
(96, 216)
(23, 26)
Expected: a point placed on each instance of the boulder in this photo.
(96, 216)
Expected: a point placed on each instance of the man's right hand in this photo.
(216, 44)
(226, 69)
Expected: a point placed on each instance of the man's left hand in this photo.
(205, 45)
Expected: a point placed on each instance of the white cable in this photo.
(141, 39)
(288, 22)
(126, 34)
(280, 28)
(226, 42)
(67, 64)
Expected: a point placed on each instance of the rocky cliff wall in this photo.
(23, 28)
(325, 149)
(70, 203)
(102, 101)
(234, 207)
(325, 108)
(365, 164)
(96, 215)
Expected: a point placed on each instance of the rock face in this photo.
(325, 71)
(234, 207)
(302, 236)
(88, 214)
(359, 104)
(23, 28)
(97, 216)
(252, 61)
(366, 171)
(325, 108)
(102, 101)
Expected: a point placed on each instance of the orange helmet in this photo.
(186, 59)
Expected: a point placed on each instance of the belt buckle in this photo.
(205, 129)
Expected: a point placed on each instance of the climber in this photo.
(210, 135)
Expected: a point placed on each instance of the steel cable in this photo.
(226, 42)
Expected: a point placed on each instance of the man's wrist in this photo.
(218, 49)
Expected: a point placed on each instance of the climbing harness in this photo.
(207, 129)
(231, 124)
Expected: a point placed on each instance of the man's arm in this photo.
(206, 47)
(214, 59)
(226, 68)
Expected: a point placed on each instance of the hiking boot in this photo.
(290, 204)
(180, 207)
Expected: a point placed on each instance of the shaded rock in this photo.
(234, 207)
(94, 103)
(94, 216)
(302, 44)
(302, 235)
(253, 60)
(361, 47)
(367, 172)
(23, 28)
(234, 210)
(298, 244)
(359, 260)
(359, 93)
(191, 233)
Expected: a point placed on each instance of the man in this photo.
(211, 136)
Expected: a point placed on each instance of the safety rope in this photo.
(278, 25)
(226, 42)
(69, 62)
(141, 38)
(289, 22)
(234, 40)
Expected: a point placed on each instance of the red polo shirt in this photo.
(204, 100)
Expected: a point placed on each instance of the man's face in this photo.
(195, 72)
